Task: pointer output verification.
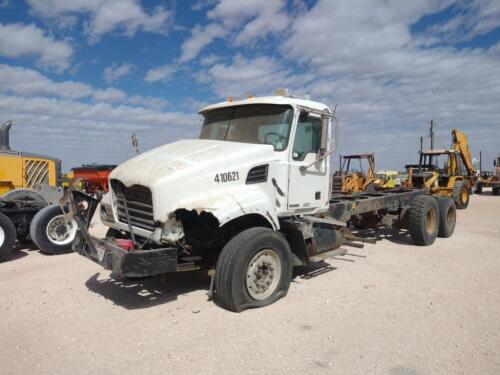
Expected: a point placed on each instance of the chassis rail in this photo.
(345, 206)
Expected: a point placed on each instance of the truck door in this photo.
(308, 189)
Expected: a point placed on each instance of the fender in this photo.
(230, 204)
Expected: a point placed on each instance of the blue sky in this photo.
(79, 77)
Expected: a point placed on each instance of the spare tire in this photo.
(50, 233)
(7, 236)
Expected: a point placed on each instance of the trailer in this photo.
(247, 202)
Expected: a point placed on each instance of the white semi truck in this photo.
(249, 200)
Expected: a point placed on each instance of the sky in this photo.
(79, 77)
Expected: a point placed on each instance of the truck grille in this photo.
(139, 204)
(36, 172)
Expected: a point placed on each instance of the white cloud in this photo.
(264, 16)
(30, 83)
(20, 40)
(161, 73)
(106, 15)
(115, 72)
(200, 38)
(243, 76)
(57, 118)
(365, 59)
(148, 102)
(251, 20)
(473, 18)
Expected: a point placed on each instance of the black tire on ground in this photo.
(495, 191)
(254, 269)
(7, 236)
(479, 188)
(49, 232)
(424, 220)
(447, 216)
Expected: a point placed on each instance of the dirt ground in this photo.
(390, 308)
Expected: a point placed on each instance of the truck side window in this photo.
(307, 137)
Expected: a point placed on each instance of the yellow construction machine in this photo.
(455, 177)
(24, 174)
(352, 180)
(490, 179)
(386, 179)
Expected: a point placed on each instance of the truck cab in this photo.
(263, 158)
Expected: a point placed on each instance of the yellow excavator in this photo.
(454, 178)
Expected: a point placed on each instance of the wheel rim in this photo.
(2, 236)
(263, 274)
(431, 221)
(60, 233)
(465, 196)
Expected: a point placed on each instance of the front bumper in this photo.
(134, 263)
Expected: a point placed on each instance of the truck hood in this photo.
(187, 159)
(188, 171)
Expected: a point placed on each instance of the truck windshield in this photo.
(262, 124)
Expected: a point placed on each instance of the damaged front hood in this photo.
(189, 170)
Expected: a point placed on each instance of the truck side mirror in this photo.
(494, 163)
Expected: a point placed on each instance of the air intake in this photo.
(258, 174)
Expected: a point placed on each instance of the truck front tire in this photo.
(7, 236)
(254, 269)
(424, 220)
(447, 216)
(49, 232)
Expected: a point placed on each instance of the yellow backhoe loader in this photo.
(353, 180)
(455, 177)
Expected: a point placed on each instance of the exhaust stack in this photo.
(4, 136)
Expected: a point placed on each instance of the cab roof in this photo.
(278, 100)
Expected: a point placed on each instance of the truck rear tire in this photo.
(495, 191)
(7, 236)
(424, 220)
(50, 233)
(447, 216)
(254, 269)
(479, 188)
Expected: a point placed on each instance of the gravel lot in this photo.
(390, 308)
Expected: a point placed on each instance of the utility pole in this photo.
(421, 144)
(432, 134)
